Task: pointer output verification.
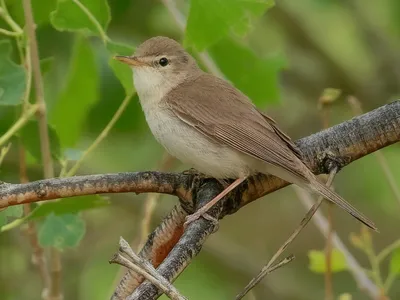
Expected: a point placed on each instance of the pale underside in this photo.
(208, 124)
(200, 145)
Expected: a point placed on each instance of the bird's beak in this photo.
(130, 60)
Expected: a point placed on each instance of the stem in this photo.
(55, 261)
(389, 281)
(376, 272)
(296, 232)
(19, 124)
(103, 35)
(6, 16)
(14, 224)
(9, 33)
(28, 66)
(388, 250)
(328, 256)
(3, 152)
(102, 135)
(38, 81)
(360, 275)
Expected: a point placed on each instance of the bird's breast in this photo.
(191, 146)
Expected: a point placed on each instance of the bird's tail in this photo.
(330, 195)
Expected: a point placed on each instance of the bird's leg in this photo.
(203, 210)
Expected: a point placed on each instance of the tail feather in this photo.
(330, 195)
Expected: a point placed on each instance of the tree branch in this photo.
(138, 182)
(343, 143)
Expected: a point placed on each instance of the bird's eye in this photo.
(163, 61)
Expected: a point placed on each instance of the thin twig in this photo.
(19, 124)
(101, 136)
(55, 261)
(9, 33)
(295, 233)
(119, 259)
(388, 250)
(138, 265)
(28, 67)
(265, 271)
(3, 152)
(6, 16)
(328, 256)
(363, 281)
(356, 106)
(38, 81)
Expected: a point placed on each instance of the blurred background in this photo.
(294, 51)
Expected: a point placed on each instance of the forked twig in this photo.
(144, 268)
(303, 223)
(265, 271)
(363, 281)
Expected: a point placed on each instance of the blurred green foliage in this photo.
(283, 57)
(12, 79)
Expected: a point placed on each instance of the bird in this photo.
(207, 123)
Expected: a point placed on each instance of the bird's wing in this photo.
(239, 125)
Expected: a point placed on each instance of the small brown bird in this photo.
(207, 123)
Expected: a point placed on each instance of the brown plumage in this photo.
(247, 130)
(206, 122)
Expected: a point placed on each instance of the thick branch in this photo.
(343, 143)
(138, 182)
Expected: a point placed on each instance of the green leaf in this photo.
(394, 266)
(15, 211)
(70, 17)
(61, 231)
(211, 20)
(68, 206)
(12, 77)
(256, 77)
(29, 135)
(122, 71)
(317, 261)
(79, 95)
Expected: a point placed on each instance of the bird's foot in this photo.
(195, 216)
